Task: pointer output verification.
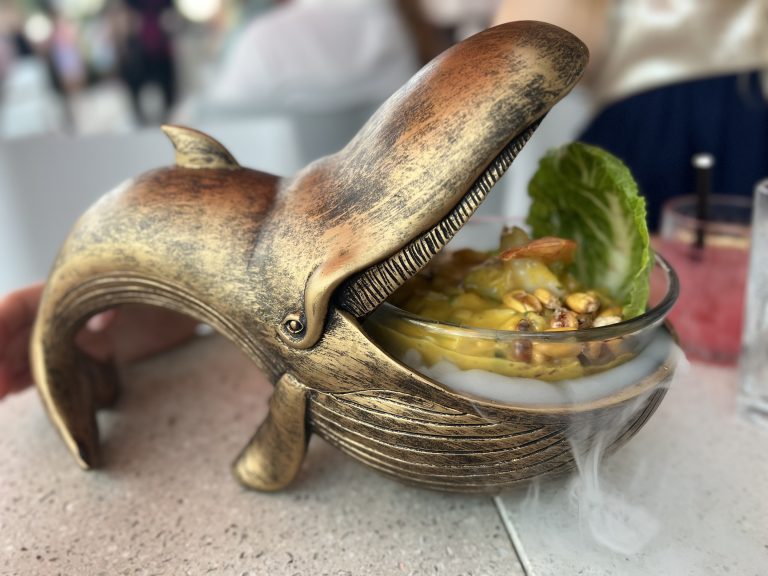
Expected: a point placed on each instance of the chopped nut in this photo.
(522, 351)
(521, 301)
(524, 325)
(562, 318)
(582, 302)
(547, 299)
(616, 346)
(608, 316)
(606, 321)
(585, 320)
(612, 311)
(531, 322)
(592, 350)
(536, 321)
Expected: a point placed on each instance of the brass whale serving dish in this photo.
(289, 268)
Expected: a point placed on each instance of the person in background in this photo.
(7, 54)
(145, 51)
(65, 61)
(297, 57)
(12, 42)
(669, 79)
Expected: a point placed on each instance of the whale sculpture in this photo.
(287, 268)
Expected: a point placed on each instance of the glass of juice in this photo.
(710, 258)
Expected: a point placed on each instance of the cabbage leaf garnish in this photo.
(584, 193)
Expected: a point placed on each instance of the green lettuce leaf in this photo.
(584, 193)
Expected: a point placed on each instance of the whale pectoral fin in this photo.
(274, 455)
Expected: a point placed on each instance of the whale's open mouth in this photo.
(365, 291)
(387, 203)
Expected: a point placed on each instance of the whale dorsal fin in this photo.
(195, 149)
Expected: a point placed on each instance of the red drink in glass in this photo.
(709, 313)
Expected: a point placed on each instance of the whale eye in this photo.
(293, 325)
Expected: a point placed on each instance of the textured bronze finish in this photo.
(287, 267)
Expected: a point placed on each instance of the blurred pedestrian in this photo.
(66, 66)
(145, 51)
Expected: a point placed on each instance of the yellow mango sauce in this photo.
(468, 289)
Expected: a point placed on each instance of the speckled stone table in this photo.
(165, 503)
(688, 495)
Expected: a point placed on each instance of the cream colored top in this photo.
(652, 43)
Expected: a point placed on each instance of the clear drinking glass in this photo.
(754, 358)
(710, 258)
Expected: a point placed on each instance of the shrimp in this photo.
(547, 249)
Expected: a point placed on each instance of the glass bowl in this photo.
(531, 367)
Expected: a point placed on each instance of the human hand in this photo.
(128, 333)
(17, 315)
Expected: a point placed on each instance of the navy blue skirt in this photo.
(656, 132)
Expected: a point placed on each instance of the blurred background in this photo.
(84, 85)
